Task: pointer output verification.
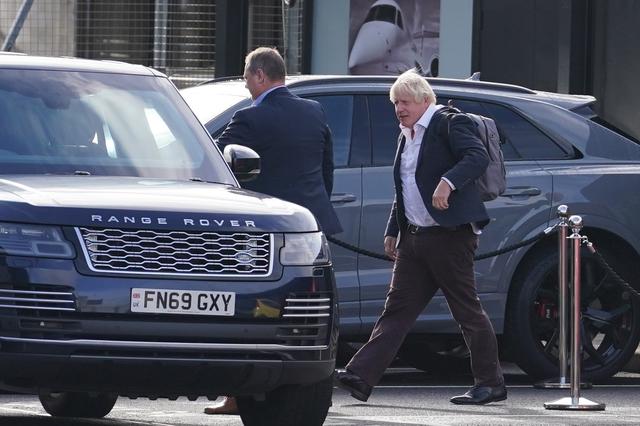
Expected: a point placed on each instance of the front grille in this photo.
(211, 254)
(34, 299)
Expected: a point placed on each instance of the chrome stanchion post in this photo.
(575, 401)
(562, 382)
(563, 213)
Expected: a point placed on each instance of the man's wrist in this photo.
(448, 182)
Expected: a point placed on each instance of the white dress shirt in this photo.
(414, 205)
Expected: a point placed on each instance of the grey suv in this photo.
(557, 151)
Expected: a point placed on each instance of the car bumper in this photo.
(157, 377)
(101, 346)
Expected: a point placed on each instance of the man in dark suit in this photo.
(294, 142)
(432, 235)
(291, 136)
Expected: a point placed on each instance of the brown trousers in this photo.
(434, 258)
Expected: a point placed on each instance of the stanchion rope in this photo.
(616, 278)
(478, 257)
(614, 275)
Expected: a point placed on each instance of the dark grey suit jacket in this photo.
(294, 142)
(459, 157)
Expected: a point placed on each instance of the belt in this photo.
(415, 229)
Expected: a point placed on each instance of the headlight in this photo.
(304, 249)
(34, 240)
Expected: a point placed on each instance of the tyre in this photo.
(77, 404)
(290, 405)
(436, 357)
(610, 325)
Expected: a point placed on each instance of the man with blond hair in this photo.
(432, 235)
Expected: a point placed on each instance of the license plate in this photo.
(164, 301)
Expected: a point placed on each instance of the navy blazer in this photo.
(456, 154)
(294, 142)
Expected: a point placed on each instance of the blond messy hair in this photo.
(413, 85)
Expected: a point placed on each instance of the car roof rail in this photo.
(503, 87)
(218, 79)
(436, 81)
(474, 77)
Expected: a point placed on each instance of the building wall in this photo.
(517, 42)
(616, 63)
(566, 46)
(456, 37)
(330, 38)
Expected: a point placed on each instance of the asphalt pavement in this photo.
(404, 397)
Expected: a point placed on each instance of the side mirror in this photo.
(244, 162)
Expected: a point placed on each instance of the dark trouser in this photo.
(436, 258)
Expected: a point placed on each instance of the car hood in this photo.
(130, 202)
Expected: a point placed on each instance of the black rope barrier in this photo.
(601, 260)
(358, 249)
(614, 275)
(478, 257)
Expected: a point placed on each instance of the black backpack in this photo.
(493, 181)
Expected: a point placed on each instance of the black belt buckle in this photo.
(414, 229)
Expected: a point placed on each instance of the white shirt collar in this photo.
(423, 121)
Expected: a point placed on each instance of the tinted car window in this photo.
(522, 140)
(339, 112)
(384, 129)
(478, 108)
(100, 124)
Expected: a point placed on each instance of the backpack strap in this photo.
(449, 111)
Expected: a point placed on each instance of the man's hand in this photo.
(390, 247)
(440, 198)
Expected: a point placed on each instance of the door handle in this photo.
(521, 191)
(342, 198)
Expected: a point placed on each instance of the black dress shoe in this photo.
(354, 384)
(479, 395)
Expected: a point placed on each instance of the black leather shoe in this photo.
(479, 395)
(350, 382)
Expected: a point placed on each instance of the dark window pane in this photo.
(360, 141)
(384, 130)
(382, 13)
(527, 141)
(522, 140)
(339, 112)
(399, 20)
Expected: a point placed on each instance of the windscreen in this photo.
(105, 124)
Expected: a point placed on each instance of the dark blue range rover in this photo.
(131, 262)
